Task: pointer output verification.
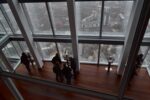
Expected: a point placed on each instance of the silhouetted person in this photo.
(110, 61)
(30, 58)
(56, 58)
(58, 72)
(67, 73)
(73, 66)
(25, 61)
(138, 62)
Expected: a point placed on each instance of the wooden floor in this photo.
(90, 77)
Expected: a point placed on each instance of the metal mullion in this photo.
(27, 16)
(101, 21)
(7, 19)
(49, 11)
(99, 48)
(50, 18)
(100, 32)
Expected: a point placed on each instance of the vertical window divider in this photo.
(100, 32)
(49, 11)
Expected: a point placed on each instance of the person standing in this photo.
(56, 58)
(67, 73)
(57, 67)
(25, 61)
(30, 58)
(57, 71)
(73, 66)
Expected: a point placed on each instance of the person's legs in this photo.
(28, 68)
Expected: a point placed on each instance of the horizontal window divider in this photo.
(35, 1)
(62, 86)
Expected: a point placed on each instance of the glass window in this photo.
(144, 50)
(12, 19)
(88, 15)
(11, 54)
(88, 52)
(17, 47)
(65, 48)
(110, 50)
(60, 16)
(116, 17)
(23, 46)
(48, 50)
(4, 24)
(39, 18)
(147, 33)
(2, 65)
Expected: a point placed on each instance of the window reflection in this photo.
(11, 54)
(147, 33)
(116, 16)
(88, 16)
(39, 18)
(60, 16)
(12, 19)
(48, 50)
(110, 50)
(5, 29)
(65, 48)
(88, 52)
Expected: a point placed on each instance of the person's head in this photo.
(141, 55)
(57, 54)
(23, 54)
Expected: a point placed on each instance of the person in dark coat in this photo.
(67, 73)
(57, 71)
(25, 61)
(73, 66)
(56, 58)
(30, 59)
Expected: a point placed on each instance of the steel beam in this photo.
(25, 30)
(74, 37)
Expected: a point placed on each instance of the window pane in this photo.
(23, 46)
(60, 16)
(48, 50)
(88, 52)
(39, 18)
(116, 16)
(17, 47)
(63, 48)
(143, 50)
(11, 54)
(4, 24)
(88, 16)
(12, 19)
(147, 33)
(110, 50)
(2, 65)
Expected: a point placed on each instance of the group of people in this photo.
(26, 59)
(65, 69)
